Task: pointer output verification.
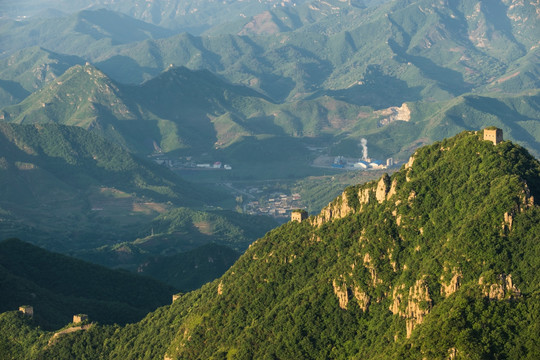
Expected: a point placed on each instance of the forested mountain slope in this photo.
(59, 287)
(64, 181)
(439, 260)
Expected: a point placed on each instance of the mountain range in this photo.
(193, 112)
(437, 260)
(192, 16)
(431, 50)
(313, 76)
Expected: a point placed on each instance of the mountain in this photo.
(191, 113)
(177, 109)
(81, 33)
(194, 112)
(28, 70)
(59, 287)
(439, 260)
(193, 16)
(78, 190)
(379, 56)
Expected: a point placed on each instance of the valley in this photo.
(158, 148)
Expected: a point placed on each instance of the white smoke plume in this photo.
(363, 142)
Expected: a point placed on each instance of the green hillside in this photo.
(188, 271)
(59, 287)
(437, 260)
(177, 233)
(219, 226)
(77, 190)
(28, 70)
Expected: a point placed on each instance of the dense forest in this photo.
(438, 260)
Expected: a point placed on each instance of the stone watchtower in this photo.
(493, 134)
(27, 310)
(79, 318)
(299, 215)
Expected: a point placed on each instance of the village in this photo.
(278, 205)
(187, 163)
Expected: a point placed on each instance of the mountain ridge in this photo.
(196, 111)
(434, 265)
(59, 287)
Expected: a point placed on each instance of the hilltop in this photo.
(437, 260)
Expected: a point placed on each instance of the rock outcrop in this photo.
(454, 284)
(381, 191)
(419, 304)
(342, 294)
(502, 288)
(362, 298)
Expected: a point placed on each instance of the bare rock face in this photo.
(362, 298)
(368, 263)
(453, 285)
(341, 293)
(339, 208)
(503, 288)
(526, 202)
(335, 210)
(408, 167)
(382, 190)
(220, 288)
(394, 113)
(452, 353)
(419, 305)
(392, 191)
(397, 297)
(363, 196)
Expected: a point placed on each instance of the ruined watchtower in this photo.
(27, 310)
(493, 134)
(79, 318)
(299, 215)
